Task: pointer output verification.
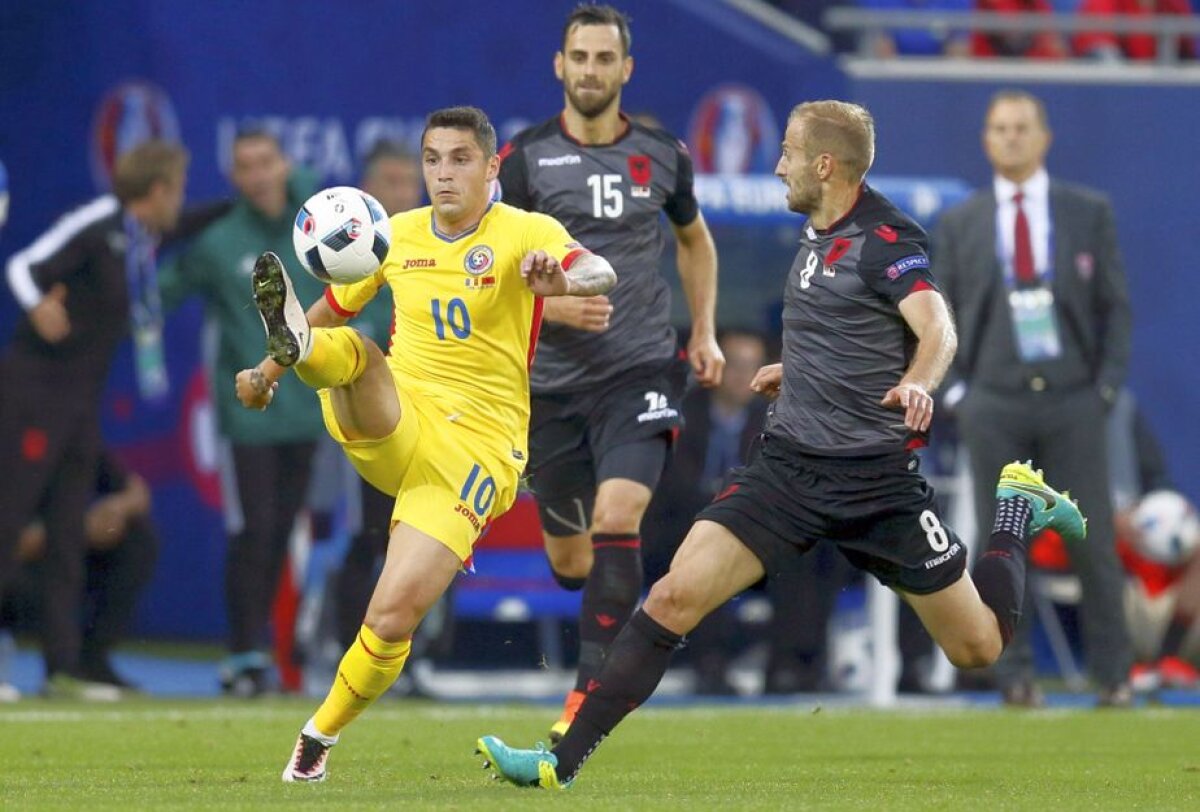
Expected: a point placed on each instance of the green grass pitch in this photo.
(403, 755)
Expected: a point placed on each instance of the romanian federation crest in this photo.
(479, 260)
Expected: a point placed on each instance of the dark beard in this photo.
(595, 109)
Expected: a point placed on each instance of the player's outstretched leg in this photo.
(1025, 505)
(525, 768)
(712, 566)
(634, 666)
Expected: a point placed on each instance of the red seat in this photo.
(518, 529)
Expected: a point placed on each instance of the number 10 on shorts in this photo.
(478, 494)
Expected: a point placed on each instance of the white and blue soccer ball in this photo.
(342, 235)
(1168, 529)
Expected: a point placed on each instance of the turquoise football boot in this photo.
(1051, 509)
(525, 768)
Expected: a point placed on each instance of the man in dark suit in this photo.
(1033, 272)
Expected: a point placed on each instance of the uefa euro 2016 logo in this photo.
(129, 114)
(478, 260)
(305, 222)
(733, 131)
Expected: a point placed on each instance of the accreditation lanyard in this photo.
(1035, 325)
(145, 311)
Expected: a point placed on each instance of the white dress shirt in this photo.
(1037, 211)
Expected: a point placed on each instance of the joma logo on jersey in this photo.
(419, 263)
(478, 259)
(463, 510)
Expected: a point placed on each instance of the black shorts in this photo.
(879, 511)
(623, 429)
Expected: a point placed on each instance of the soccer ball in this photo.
(1168, 527)
(342, 235)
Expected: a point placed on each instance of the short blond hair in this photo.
(148, 163)
(844, 130)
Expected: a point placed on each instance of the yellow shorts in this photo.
(447, 483)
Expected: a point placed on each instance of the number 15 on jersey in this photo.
(607, 198)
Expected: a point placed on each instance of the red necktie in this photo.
(1022, 246)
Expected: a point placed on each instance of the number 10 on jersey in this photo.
(455, 315)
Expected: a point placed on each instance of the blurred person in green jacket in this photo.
(272, 453)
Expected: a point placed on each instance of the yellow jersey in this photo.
(465, 323)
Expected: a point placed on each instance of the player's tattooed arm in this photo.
(590, 275)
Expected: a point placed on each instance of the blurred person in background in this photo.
(608, 380)
(1018, 44)
(122, 547)
(1032, 269)
(1135, 46)
(392, 175)
(1157, 535)
(265, 482)
(83, 285)
(1162, 589)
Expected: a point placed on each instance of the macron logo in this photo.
(561, 160)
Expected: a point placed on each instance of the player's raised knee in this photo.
(976, 650)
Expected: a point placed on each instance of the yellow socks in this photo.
(337, 357)
(369, 668)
